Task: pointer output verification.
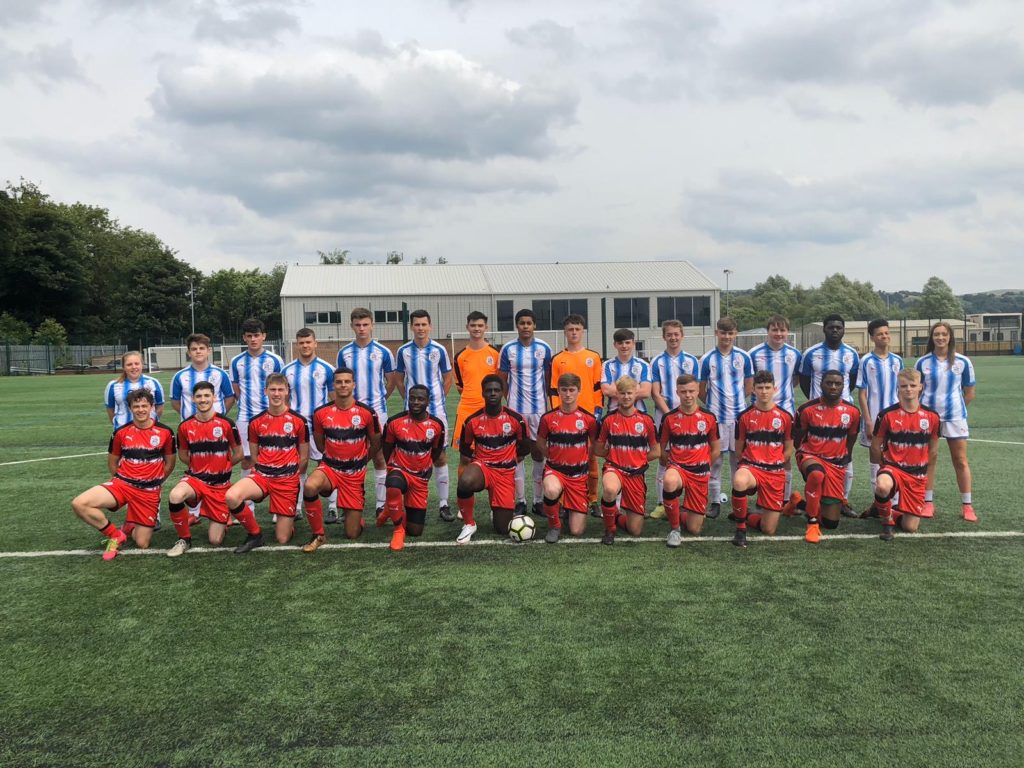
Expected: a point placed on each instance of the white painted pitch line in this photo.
(997, 442)
(505, 542)
(52, 458)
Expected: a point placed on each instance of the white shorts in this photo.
(243, 433)
(955, 429)
(382, 417)
(727, 435)
(864, 439)
(314, 452)
(532, 424)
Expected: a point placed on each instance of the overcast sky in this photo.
(883, 139)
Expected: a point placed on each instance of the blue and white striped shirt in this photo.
(820, 358)
(117, 391)
(725, 376)
(250, 374)
(614, 369)
(311, 385)
(944, 384)
(371, 364)
(878, 377)
(784, 363)
(186, 378)
(666, 368)
(428, 366)
(529, 374)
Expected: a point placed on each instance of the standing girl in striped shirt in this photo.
(132, 377)
(949, 387)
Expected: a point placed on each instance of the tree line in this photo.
(77, 269)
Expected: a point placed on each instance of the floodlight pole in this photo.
(727, 273)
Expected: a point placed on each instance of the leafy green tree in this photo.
(13, 330)
(334, 256)
(50, 332)
(937, 300)
(852, 299)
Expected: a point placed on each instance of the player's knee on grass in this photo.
(353, 523)
(500, 518)
(693, 522)
(284, 529)
(634, 523)
(769, 523)
(142, 536)
(910, 523)
(415, 519)
(577, 523)
(828, 523)
(215, 534)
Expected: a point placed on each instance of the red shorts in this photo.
(500, 484)
(351, 486)
(143, 503)
(834, 486)
(417, 489)
(211, 497)
(771, 488)
(910, 488)
(634, 489)
(574, 490)
(283, 492)
(695, 490)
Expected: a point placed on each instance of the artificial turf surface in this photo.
(850, 653)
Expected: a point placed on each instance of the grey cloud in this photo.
(671, 30)
(13, 12)
(810, 108)
(762, 208)
(643, 88)
(545, 35)
(249, 25)
(47, 65)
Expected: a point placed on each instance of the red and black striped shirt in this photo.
(906, 437)
(209, 445)
(141, 453)
(493, 440)
(568, 436)
(278, 439)
(629, 439)
(415, 442)
(825, 430)
(765, 434)
(689, 437)
(346, 433)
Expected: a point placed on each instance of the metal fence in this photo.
(42, 359)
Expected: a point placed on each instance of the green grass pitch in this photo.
(850, 653)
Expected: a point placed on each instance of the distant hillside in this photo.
(1003, 300)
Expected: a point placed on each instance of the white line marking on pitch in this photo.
(505, 542)
(52, 458)
(997, 442)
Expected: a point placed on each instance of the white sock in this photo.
(789, 485)
(380, 476)
(715, 481)
(874, 475)
(302, 491)
(661, 484)
(442, 486)
(848, 481)
(965, 498)
(333, 501)
(520, 482)
(929, 495)
(538, 482)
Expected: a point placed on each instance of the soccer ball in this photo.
(521, 528)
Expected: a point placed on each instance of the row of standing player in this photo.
(427, 360)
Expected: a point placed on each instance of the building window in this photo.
(387, 315)
(505, 316)
(551, 312)
(322, 318)
(633, 313)
(689, 310)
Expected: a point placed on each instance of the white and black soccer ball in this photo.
(521, 528)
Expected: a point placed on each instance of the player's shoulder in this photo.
(931, 412)
(161, 427)
(293, 365)
(476, 414)
(326, 406)
(589, 414)
(647, 419)
(817, 346)
(264, 414)
(890, 409)
(124, 428)
(741, 352)
(186, 422)
(746, 412)
(365, 407)
(226, 419)
(515, 415)
(808, 405)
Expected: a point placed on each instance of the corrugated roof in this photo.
(488, 279)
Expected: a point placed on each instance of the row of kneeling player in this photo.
(142, 455)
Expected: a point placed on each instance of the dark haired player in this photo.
(906, 436)
(209, 446)
(629, 442)
(348, 434)
(764, 441)
(494, 439)
(825, 433)
(279, 444)
(140, 457)
(565, 438)
(689, 446)
(412, 441)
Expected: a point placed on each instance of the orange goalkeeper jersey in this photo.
(587, 365)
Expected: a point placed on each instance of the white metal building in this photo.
(635, 294)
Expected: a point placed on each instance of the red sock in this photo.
(754, 520)
(181, 523)
(739, 510)
(466, 508)
(609, 509)
(248, 520)
(315, 515)
(108, 530)
(884, 507)
(127, 528)
(396, 509)
(620, 521)
(812, 490)
(551, 513)
(672, 512)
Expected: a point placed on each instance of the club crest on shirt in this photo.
(490, 359)
(538, 354)
(318, 376)
(357, 421)
(430, 433)
(154, 440)
(218, 432)
(288, 427)
(506, 428)
(737, 363)
(268, 366)
(589, 363)
(579, 423)
(845, 419)
(924, 423)
(957, 367)
(702, 426)
(435, 356)
(375, 356)
(638, 427)
(776, 423)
